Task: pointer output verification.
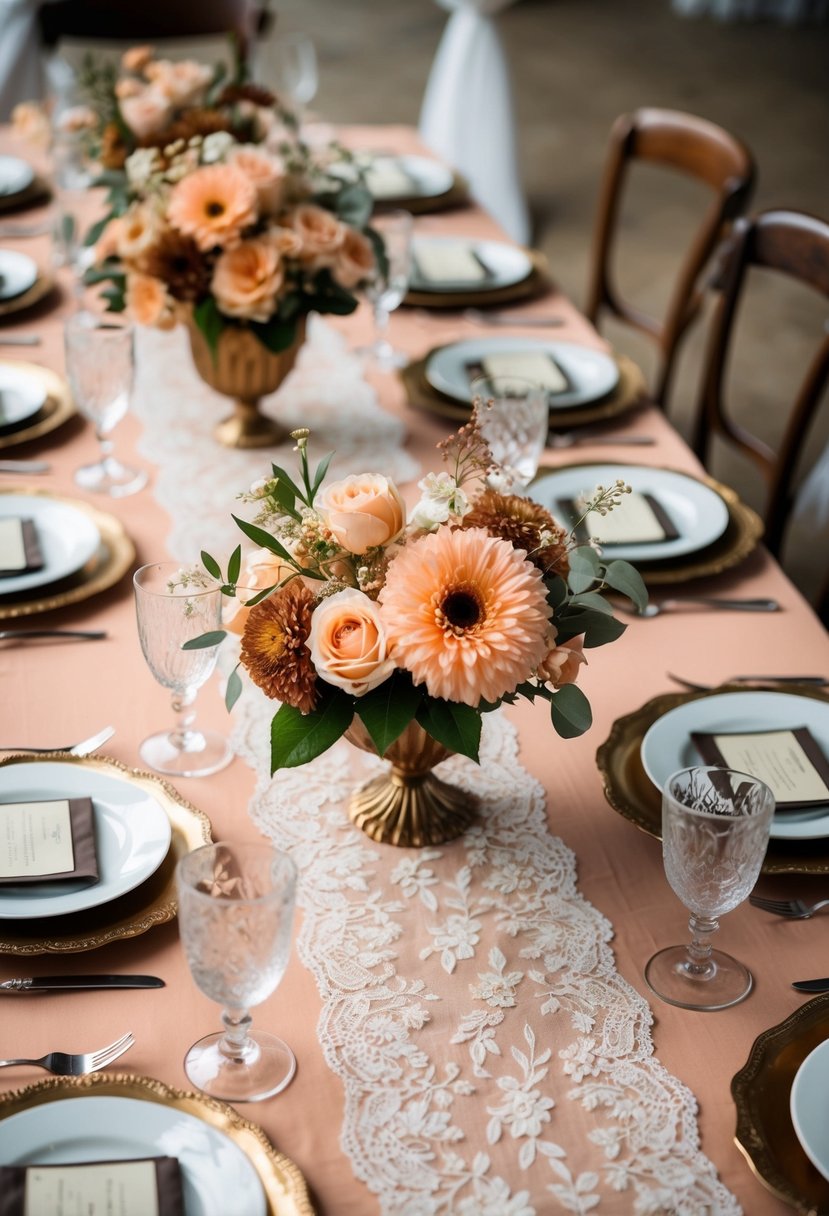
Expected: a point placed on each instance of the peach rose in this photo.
(129, 87)
(247, 280)
(265, 171)
(107, 244)
(148, 302)
(261, 569)
(146, 113)
(285, 241)
(320, 232)
(183, 83)
(561, 664)
(355, 259)
(348, 643)
(213, 205)
(137, 58)
(363, 511)
(140, 228)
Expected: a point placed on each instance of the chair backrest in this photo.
(797, 245)
(702, 150)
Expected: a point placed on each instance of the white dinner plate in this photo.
(428, 178)
(808, 1107)
(218, 1177)
(592, 373)
(668, 747)
(507, 265)
(132, 836)
(17, 273)
(698, 513)
(67, 536)
(22, 394)
(15, 175)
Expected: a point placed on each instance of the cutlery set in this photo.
(66, 1064)
(657, 607)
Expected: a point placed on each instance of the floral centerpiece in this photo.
(401, 633)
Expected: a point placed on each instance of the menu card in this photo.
(535, 366)
(450, 262)
(638, 520)
(385, 177)
(19, 546)
(790, 762)
(148, 1187)
(53, 839)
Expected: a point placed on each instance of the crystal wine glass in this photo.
(385, 291)
(236, 911)
(715, 830)
(99, 363)
(294, 70)
(513, 415)
(174, 607)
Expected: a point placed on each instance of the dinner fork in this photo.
(794, 909)
(694, 686)
(571, 439)
(65, 1064)
(84, 748)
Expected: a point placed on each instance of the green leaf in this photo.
(205, 639)
(456, 726)
(277, 335)
(297, 738)
(602, 629)
(584, 570)
(265, 541)
(556, 590)
(234, 565)
(592, 599)
(286, 498)
(211, 565)
(570, 711)
(321, 470)
(387, 710)
(621, 576)
(280, 475)
(210, 321)
(94, 234)
(260, 595)
(354, 204)
(234, 689)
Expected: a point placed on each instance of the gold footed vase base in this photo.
(247, 428)
(412, 811)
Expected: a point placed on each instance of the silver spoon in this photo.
(688, 601)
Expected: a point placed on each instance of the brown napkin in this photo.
(47, 841)
(146, 1187)
(19, 547)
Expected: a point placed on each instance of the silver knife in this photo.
(811, 985)
(71, 983)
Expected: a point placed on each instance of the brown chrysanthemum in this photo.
(113, 148)
(522, 523)
(176, 260)
(274, 648)
(190, 123)
(255, 93)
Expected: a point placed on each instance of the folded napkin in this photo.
(790, 762)
(638, 520)
(150, 1186)
(386, 178)
(536, 366)
(47, 841)
(19, 547)
(449, 262)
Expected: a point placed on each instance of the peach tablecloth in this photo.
(52, 694)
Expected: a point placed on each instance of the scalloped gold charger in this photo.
(765, 1134)
(152, 903)
(59, 406)
(628, 394)
(285, 1189)
(630, 791)
(114, 558)
(536, 283)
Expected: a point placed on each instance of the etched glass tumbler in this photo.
(236, 912)
(513, 414)
(172, 610)
(715, 830)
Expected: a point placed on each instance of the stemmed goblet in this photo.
(294, 70)
(715, 831)
(100, 362)
(389, 284)
(513, 415)
(236, 910)
(173, 608)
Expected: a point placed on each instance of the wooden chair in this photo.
(794, 244)
(692, 146)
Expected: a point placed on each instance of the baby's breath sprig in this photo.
(468, 450)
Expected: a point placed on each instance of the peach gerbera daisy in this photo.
(466, 614)
(213, 205)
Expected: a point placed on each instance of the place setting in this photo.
(20, 186)
(419, 184)
(22, 282)
(459, 272)
(34, 401)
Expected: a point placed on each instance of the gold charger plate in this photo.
(627, 395)
(152, 903)
(41, 287)
(114, 558)
(59, 406)
(284, 1186)
(630, 791)
(536, 283)
(36, 193)
(765, 1134)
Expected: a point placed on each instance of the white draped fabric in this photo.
(21, 78)
(467, 116)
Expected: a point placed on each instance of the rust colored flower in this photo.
(523, 523)
(190, 123)
(176, 260)
(231, 94)
(113, 148)
(275, 650)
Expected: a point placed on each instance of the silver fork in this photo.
(794, 909)
(65, 1064)
(572, 439)
(817, 681)
(84, 748)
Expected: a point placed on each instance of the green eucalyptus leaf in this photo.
(211, 565)
(570, 711)
(601, 629)
(234, 689)
(297, 738)
(387, 710)
(205, 639)
(280, 475)
(456, 726)
(592, 599)
(321, 470)
(583, 570)
(556, 590)
(264, 540)
(234, 566)
(260, 595)
(621, 576)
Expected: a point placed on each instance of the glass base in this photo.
(724, 982)
(200, 754)
(384, 356)
(265, 1069)
(111, 477)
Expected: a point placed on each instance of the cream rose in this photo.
(266, 172)
(146, 113)
(320, 232)
(348, 643)
(363, 511)
(136, 58)
(561, 664)
(355, 260)
(247, 280)
(261, 569)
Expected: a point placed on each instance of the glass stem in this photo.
(186, 718)
(699, 949)
(381, 324)
(235, 1043)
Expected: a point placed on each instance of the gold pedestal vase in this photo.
(243, 368)
(409, 806)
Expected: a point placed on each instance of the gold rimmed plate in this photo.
(57, 409)
(761, 1090)
(33, 195)
(39, 290)
(633, 795)
(228, 1163)
(115, 556)
(152, 903)
(534, 284)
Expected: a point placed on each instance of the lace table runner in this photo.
(494, 1063)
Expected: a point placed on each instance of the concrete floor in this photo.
(576, 65)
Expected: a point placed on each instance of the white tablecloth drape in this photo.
(21, 76)
(467, 117)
